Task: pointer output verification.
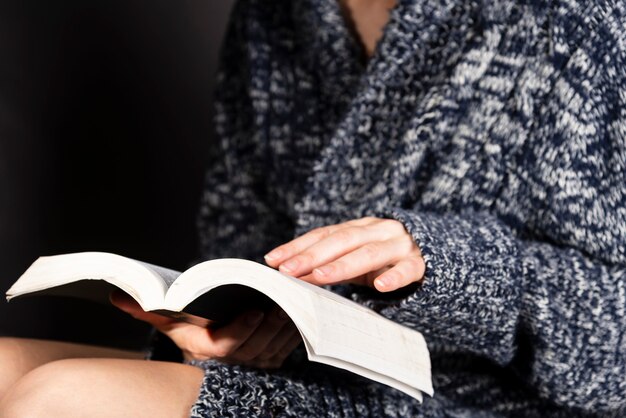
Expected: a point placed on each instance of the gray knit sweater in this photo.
(495, 131)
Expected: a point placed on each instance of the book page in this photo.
(168, 275)
(366, 372)
(210, 275)
(354, 335)
(78, 272)
(361, 337)
(336, 331)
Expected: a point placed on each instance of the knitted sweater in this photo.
(495, 131)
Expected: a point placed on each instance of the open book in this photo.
(335, 330)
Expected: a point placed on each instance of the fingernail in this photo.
(324, 271)
(383, 283)
(253, 318)
(272, 255)
(289, 266)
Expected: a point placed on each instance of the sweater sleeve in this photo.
(542, 289)
(485, 291)
(236, 217)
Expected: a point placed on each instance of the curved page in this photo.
(136, 278)
(336, 330)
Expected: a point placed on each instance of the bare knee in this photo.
(19, 356)
(54, 389)
(104, 388)
(13, 362)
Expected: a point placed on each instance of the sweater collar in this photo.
(420, 45)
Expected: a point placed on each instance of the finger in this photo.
(405, 272)
(369, 257)
(363, 280)
(271, 326)
(226, 340)
(368, 279)
(279, 254)
(126, 303)
(282, 354)
(333, 246)
(346, 238)
(286, 334)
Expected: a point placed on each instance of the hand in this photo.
(373, 252)
(254, 338)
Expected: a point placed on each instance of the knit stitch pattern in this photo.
(495, 131)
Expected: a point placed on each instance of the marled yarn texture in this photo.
(495, 131)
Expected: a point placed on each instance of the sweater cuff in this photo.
(471, 293)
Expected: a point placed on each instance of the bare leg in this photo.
(19, 356)
(104, 388)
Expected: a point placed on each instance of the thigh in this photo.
(19, 356)
(105, 388)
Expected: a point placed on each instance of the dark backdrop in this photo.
(105, 130)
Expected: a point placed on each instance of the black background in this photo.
(105, 131)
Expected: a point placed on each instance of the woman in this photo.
(463, 174)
